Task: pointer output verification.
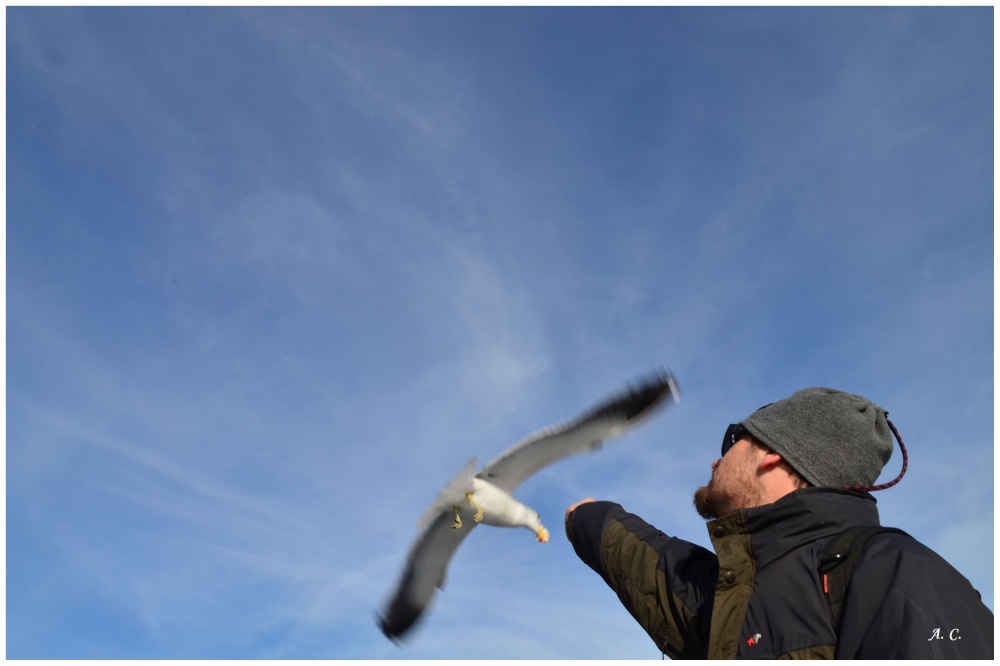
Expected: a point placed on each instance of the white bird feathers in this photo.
(486, 496)
(492, 505)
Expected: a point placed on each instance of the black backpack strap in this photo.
(836, 563)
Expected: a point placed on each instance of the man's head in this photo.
(817, 436)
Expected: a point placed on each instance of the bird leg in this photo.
(479, 510)
(458, 521)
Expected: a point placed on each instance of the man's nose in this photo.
(715, 463)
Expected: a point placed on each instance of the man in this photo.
(792, 476)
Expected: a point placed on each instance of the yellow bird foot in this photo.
(543, 535)
(479, 510)
(458, 521)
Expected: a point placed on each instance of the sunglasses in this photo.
(734, 433)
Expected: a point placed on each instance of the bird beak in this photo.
(543, 535)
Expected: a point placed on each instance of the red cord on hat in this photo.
(906, 462)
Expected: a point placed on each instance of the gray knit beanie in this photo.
(833, 439)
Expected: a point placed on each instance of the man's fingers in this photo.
(573, 506)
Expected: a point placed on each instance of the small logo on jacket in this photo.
(753, 640)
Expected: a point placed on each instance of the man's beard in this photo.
(742, 491)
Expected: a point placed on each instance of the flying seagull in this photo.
(470, 498)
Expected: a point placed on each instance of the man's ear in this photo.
(769, 461)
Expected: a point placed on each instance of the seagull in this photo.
(486, 497)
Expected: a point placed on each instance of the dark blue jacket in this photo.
(759, 595)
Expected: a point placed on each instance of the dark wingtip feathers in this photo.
(394, 630)
(641, 399)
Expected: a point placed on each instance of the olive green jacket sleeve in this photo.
(667, 584)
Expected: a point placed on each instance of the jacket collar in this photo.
(799, 518)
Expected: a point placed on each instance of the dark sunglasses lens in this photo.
(730, 438)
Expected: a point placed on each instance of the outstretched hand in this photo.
(570, 510)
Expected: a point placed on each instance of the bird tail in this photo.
(453, 494)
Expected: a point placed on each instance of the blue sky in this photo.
(274, 275)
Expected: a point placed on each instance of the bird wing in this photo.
(453, 494)
(426, 566)
(587, 432)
